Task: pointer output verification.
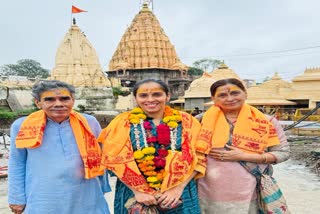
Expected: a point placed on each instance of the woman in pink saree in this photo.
(236, 132)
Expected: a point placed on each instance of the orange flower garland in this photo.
(151, 161)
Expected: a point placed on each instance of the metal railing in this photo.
(302, 118)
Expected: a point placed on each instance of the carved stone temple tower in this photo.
(146, 52)
(77, 63)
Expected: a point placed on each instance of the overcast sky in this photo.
(255, 38)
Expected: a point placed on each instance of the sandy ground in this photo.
(300, 187)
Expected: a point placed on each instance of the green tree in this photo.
(25, 67)
(207, 64)
(195, 71)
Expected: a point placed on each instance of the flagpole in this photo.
(71, 13)
(71, 17)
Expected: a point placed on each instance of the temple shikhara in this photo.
(145, 51)
(77, 62)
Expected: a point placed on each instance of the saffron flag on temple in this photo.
(77, 10)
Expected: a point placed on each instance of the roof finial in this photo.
(146, 4)
(223, 65)
(74, 21)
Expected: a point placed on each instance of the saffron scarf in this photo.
(31, 133)
(117, 155)
(252, 133)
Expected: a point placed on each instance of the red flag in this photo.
(77, 10)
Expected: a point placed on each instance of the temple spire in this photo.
(145, 45)
(77, 62)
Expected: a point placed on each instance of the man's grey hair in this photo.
(46, 85)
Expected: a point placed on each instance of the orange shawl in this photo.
(32, 129)
(117, 155)
(252, 133)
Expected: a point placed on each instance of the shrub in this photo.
(81, 108)
(118, 91)
(8, 115)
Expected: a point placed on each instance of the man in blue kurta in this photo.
(54, 157)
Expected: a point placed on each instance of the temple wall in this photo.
(3, 92)
(125, 103)
(191, 103)
(306, 85)
(93, 99)
(20, 98)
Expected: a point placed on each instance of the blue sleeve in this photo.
(96, 129)
(16, 168)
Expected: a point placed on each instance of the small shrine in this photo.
(198, 94)
(306, 88)
(271, 92)
(271, 96)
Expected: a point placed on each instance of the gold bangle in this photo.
(264, 158)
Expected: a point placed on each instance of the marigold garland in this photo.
(152, 161)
